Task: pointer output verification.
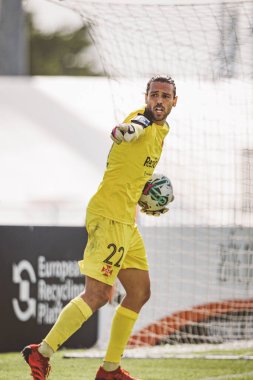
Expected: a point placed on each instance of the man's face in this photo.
(160, 100)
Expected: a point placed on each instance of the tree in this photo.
(60, 53)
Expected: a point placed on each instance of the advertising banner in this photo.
(39, 276)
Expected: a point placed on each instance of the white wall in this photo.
(53, 148)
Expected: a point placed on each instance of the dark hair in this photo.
(162, 79)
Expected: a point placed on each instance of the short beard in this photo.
(149, 114)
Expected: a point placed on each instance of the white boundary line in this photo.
(186, 351)
(90, 353)
(228, 377)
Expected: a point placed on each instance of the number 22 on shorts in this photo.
(114, 251)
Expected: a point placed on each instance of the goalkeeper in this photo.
(115, 247)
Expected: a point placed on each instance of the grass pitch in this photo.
(13, 366)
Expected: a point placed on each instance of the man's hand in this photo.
(130, 131)
(117, 134)
(126, 132)
(156, 212)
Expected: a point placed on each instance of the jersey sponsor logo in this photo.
(150, 163)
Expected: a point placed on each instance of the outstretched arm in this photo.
(130, 131)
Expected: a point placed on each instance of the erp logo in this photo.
(23, 313)
(52, 284)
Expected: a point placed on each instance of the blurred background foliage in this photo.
(61, 52)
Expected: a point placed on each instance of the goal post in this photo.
(201, 252)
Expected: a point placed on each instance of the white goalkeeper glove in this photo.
(155, 212)
(130, 132)
(117, 134)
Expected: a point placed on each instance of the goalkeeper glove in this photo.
(117, 134)
(130, 132)
(155, 212)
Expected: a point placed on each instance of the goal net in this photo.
(201, 252)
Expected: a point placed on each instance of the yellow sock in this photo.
(122, 326)
(71, 318)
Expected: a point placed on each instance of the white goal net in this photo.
(201, 252)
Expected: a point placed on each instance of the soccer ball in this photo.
(157, 193)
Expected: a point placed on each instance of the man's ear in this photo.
(146, 98)
(175, 101)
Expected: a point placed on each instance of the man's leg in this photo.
(77, 311)
(136, 283)
(71, 318)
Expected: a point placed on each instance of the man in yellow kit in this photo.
(115, 247)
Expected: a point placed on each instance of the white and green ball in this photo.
(157, 193)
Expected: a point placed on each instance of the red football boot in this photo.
(39, 365)
(118, 374)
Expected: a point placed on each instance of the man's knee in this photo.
(96, 294)
(141, 295)
(146, 294)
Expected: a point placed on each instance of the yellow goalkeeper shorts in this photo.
(111, 246)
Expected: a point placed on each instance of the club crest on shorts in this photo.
(107, 270)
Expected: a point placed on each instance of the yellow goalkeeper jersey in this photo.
(129, 167)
